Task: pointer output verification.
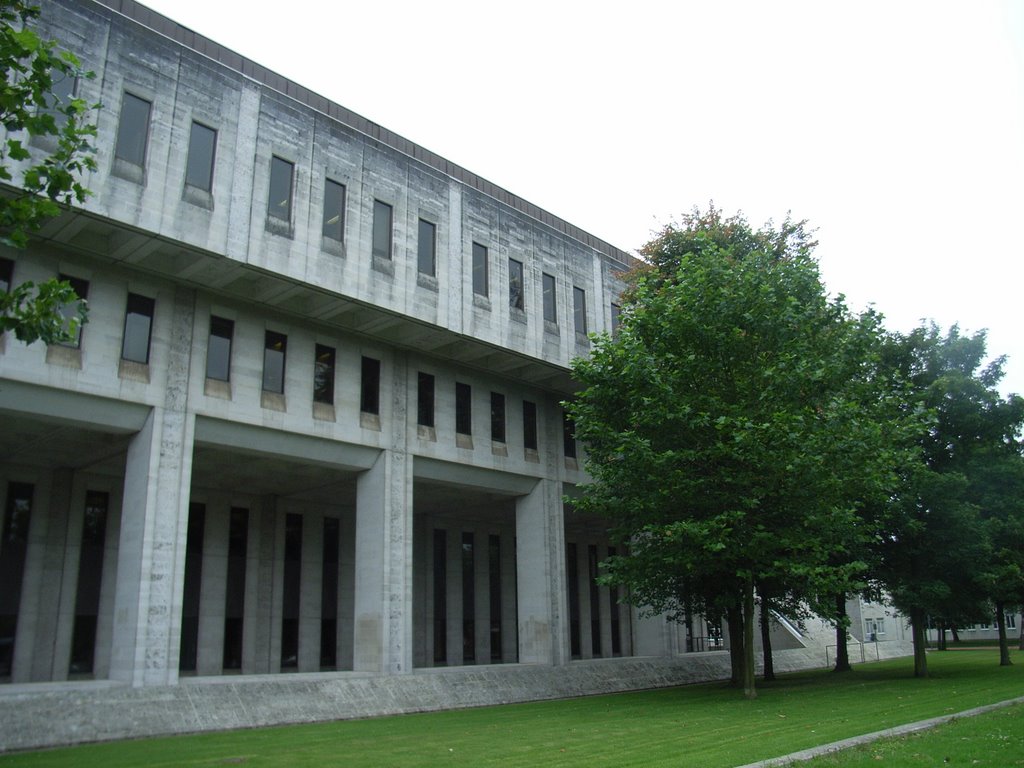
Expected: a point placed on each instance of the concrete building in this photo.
(312, 425)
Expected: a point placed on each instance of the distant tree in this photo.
(37, 182)
(727, 422)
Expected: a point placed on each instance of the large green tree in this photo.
(734, 424)
(46, 149)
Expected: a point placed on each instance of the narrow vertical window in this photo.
(369, 397)
(274, 348)
(497, 417)
(573, 583)
(188, 656)
(202, 145)
(218, 348)
(334, 210)
(382, 215)
(291, 591)
(62, 91)
(568, 436)
(479, 269)
(323, 375)
(138, 327)
(70, 311)
(616, 621)
(529, 425)
(234, 593)
(550, 305)
(279, 204)
(440, 596)
(463, 409)
(579, 309)
(87, 593)
(6, 274)
(494, 593)
(595, 601)
(516, 298)
(616, 309)
(426, 248)
(425, 400)
(468, 599)
(329, 595)
(132, 130)
(17, 514)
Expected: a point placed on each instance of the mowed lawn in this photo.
(704, 725)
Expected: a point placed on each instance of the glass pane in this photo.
(138, 322)
(425, 259)
(323, 375)
(133, 130)
(463, 409)
(273, 362)
(579, 305)
(70, 311)
(549, 299)
(280, 203)
(199, 169)
(515, 284)
(370, 395)
(479, 269)
(218, 351)
(334, 210)
(381, 230)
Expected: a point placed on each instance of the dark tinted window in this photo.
(529, 425)
(479, 269)
(463, 409)
(550, 307)
(497, 417)
(369, 400)
(133, 130)
(426, 248)
(6, 274)
(334, 210)
(381, 229)
(615, 319)
(138, 325)
(425, 400)
(568, 436)
(280, 203)
(323, 375)
(70, 311)
(515, 284)
(579, 309)
(218, 349)
(274, 348)
(202, 143)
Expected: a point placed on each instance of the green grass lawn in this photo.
(989, 740)
(705, 725)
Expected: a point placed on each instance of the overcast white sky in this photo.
(896, 128)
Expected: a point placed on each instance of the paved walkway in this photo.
(867, 738)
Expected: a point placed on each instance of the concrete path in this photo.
(867, 738)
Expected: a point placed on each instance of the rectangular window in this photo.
(550, 305)
(90, 571)
(132, 130)
(70, 311)
(369, 398)
(425, 400)
(479, 269)
(202, 145)
(6, 274)
(568, 436)
(334, 210)
(218, 348)
(463, 409)
(329, 595)
(234, 592)
(274, 348)
(579, 309)
(616, 309)
(17, 513)
(494, 593)
(188, 656)
(440, 581)
(468, 599)
(323, 375)
(382, 214)
(529, 425)
(426, 248)
(279, 204)
(572, 579)
(595, 601)
(138, 326)
(515, 284)
(291, 593)
(62, 91)
(497, 417)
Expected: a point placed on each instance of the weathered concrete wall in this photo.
(101, 712)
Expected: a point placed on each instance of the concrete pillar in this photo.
(383, 568)
(55, 599)
(453, 596)
(311, 586)
(651, 636)
(26, 634)
(540, 572)
(482, 596)
(259, 628)
(582, 577)
(346, 588)
(213, 589)
(422, 599)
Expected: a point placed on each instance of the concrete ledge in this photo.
(56, 714)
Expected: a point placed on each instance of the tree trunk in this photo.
(734, 620)
(748, 640)
(1004, 648)
(917, 621)
(956, 635)
(689, 628)
(842, 652)
(766, 640)
(941, 628)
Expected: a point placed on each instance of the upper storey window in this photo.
(479, 269)
(6, 274)
(426, 248)
(138, 325)
(382, 215)
(515, 284)
(279, 206)
(202, 145)
(550, 307)
(70, 311)
(133, 130)
(334, 210)
(579, 309)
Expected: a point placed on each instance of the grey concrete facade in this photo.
(365, 489)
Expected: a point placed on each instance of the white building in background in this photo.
(312, 425)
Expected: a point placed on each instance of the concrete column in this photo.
(213, 589)
(453, 596)
(108, 588)
(346, 588)
(651, 636)
(383, 568)
(26, 634)
(310, 594)
(259, 588)
(55, 599)
(509, 640)
(540, 569)
(154, 522)
(422, 599)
